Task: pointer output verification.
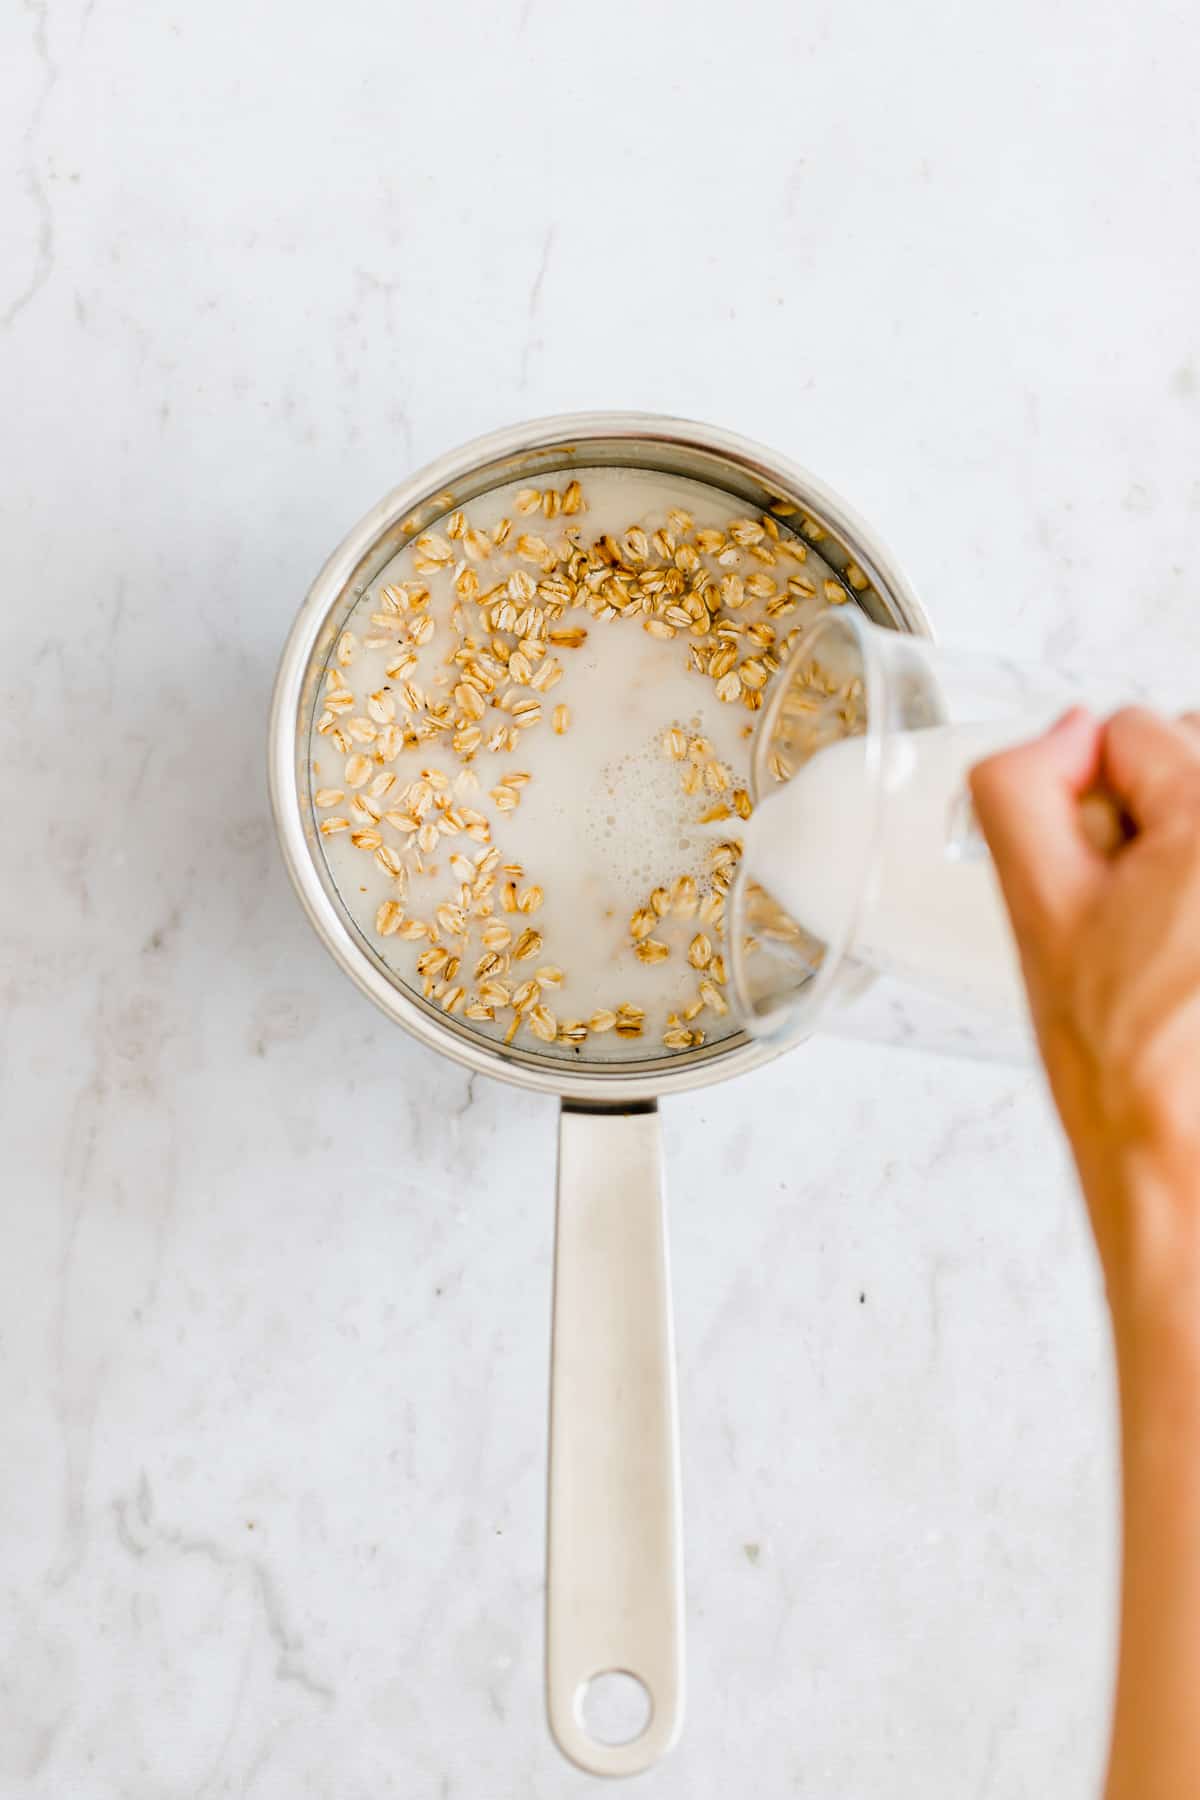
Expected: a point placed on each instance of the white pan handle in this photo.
(614, 1580)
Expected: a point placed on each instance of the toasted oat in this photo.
(561, 720)
(602, 1020)
(700, 951)
(651, 950)
(711, 911)
(543, 1024)
(389, 918)
(325, 797)
(683, 897)
(548, 675)
(535, 550)
(433, 553)
(470, 701)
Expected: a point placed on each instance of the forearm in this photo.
(1109, 936)
(1143, 1196)
(1156, 1726)
(1156, 1316)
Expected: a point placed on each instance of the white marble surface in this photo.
(274, 1281)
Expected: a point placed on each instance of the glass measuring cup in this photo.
(866, 891)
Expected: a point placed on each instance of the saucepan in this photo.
(614, 1568)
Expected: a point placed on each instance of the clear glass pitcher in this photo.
(873, 908)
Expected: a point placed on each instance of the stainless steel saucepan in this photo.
(614, 1575)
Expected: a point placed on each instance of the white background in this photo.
(273, 1279)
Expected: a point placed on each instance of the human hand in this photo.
(1110, 947)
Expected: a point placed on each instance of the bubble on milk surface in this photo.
(639, 815)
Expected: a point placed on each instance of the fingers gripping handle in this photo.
(614, 1587)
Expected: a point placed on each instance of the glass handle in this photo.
(965, 841)
(1104, 825)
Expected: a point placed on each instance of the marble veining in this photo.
(275, 1281)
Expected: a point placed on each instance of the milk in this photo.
(931, 912)
(602, 820)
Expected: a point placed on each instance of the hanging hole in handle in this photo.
(614, 1707)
